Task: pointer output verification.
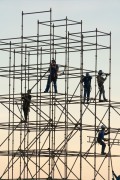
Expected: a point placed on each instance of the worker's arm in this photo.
(90, 80)
(57, 68)
(105, 139)
(22, 96)
(107, 132)
(82, 79)
(48, 69)
(106, 77)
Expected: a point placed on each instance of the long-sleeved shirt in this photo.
(53, 69)
(87, 81)
(100, 80)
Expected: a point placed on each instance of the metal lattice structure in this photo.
(58, 141)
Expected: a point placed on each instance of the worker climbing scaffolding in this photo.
(101, 139)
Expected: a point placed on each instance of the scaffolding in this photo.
(58, 140)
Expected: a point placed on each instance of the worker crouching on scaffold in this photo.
(53, 69)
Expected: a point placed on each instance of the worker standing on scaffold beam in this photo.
(26, 97)
(86, 80)
(116, 177)
(100, 81)
(53, 69)
(101, 139)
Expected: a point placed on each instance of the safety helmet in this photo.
(100, 72)
(102, 127)
(29, 91)
(53, 60)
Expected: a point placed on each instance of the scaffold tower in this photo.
(58, 137)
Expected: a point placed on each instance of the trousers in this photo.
(51, 79)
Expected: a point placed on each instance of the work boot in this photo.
(45, 91)
(103, 153)
(105, 100)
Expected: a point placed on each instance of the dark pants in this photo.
(54, 80)
(86, 93)
(26, 111)
(102, 144)
(102, 91)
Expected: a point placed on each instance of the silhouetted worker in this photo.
(101, 139)
(86, 80)
(53, 69)
(26, 97)
(116, 177)
(100, 81)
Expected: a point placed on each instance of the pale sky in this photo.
(101, 14)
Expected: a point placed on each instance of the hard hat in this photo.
(29, 91)
(100, 72)
(102, 127)
(53, 61)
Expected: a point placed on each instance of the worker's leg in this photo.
(100, 92)
(48, 84)
(25, 113)
(103, 147)
(85, 93)
(103, 90)
(88, 94)
(55, 84)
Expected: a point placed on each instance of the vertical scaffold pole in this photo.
(40, 120)
(95, 107)
(50, 106)
(9, 111)
(66, 101)
(53, 113)
(21, 90)
(37, 67)
(81, 92)
(25, 80)
(28, 116)
(13, 136)
(109, 112)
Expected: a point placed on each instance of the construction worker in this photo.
(100, 81)
(53, 69)
(26, 97)
(101, 139)
(116, 177)
(86, 80)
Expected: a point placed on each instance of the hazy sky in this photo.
(101, 14)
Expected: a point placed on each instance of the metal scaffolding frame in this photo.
(58, 141)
